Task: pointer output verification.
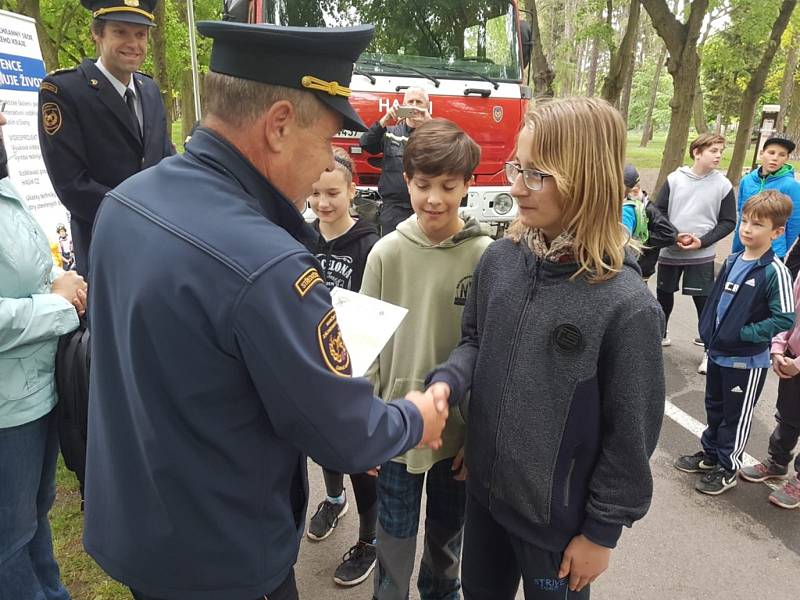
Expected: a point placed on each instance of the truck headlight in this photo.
(503, 203)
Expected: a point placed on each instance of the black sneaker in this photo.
(717, 481)
(357, 564)
(326, 519)
(695, 463)
(698, 341)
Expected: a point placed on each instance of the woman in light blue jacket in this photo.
(38, 303)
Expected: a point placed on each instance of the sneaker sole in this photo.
(719, 491)
(313, 537)
(361, 579)
(697, 470)
(696, 343)
(777, 502)
(763, 478)
(665, 343)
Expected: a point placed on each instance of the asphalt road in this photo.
(689, 547)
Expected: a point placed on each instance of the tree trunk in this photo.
(698, 109)
(625, 100)
(647, 133)
(753, 91)
(683, 65)
(595, 55)
(787, 85)
(49, 49)
(543, 75)
(621, 61)
(187, 89)
(579, 69)
(793, 118)
(159, 49)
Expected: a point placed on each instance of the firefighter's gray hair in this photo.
(416, 88)
(238, 102)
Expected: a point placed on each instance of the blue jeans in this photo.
(28, 456)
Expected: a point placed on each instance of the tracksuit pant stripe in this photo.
(754, 384)
(731, 397)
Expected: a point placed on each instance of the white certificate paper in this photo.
(366, 325)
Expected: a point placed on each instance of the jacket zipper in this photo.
(511, 363)
(567, 483)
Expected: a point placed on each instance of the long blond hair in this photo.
(581, 143)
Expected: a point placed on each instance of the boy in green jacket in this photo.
(426, 265)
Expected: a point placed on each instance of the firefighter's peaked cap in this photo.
(315, 59)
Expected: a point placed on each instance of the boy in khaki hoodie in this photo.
(426, 265)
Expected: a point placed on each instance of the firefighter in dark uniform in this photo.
(102, 121)
(218, 364)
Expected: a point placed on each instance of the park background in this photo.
(674, 68)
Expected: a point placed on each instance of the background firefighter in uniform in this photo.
(392, 141)
(102, 121)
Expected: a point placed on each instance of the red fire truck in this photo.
(469, 55)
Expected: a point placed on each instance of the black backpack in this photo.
(662, 233)
(73, 361)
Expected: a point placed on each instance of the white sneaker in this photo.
(665, 341)
(703, 368)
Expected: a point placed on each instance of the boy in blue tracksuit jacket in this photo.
(750, 302)
(773, 174)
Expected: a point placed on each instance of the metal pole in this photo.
(198, 114)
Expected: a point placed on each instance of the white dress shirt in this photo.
(121, 87)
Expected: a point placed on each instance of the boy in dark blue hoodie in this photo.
(751, 301)
(773, 174)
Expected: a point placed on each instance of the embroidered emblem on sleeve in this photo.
(48, 87)
(306, 281)
(51, 118)
(331, 345)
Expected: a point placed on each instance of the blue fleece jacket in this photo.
(783, 181)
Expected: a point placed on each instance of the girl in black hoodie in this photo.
(342, 250)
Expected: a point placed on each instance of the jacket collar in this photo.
(109, 96)
(765, 259)
(210, 148)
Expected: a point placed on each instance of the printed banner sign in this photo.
(21, 72)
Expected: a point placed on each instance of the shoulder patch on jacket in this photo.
(51, 118)
(306, 281)
(46, 86)
(331, 345)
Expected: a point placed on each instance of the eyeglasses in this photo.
(533, 179)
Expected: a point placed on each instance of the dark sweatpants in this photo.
(495, 559)
(731, 396)
(784, 439)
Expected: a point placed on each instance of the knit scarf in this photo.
(559, 250)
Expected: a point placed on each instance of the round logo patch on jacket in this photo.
(568, 338)
(331, 345)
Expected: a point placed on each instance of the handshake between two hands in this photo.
(433, 406)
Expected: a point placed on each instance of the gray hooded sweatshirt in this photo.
(703, 205)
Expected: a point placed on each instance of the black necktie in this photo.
(130, 100)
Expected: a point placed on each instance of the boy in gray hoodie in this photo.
(425, 265)
(699, 201)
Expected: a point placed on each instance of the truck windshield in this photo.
(446, 38)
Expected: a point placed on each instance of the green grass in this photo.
(80, 574)
(650, 157)
(177, 138)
